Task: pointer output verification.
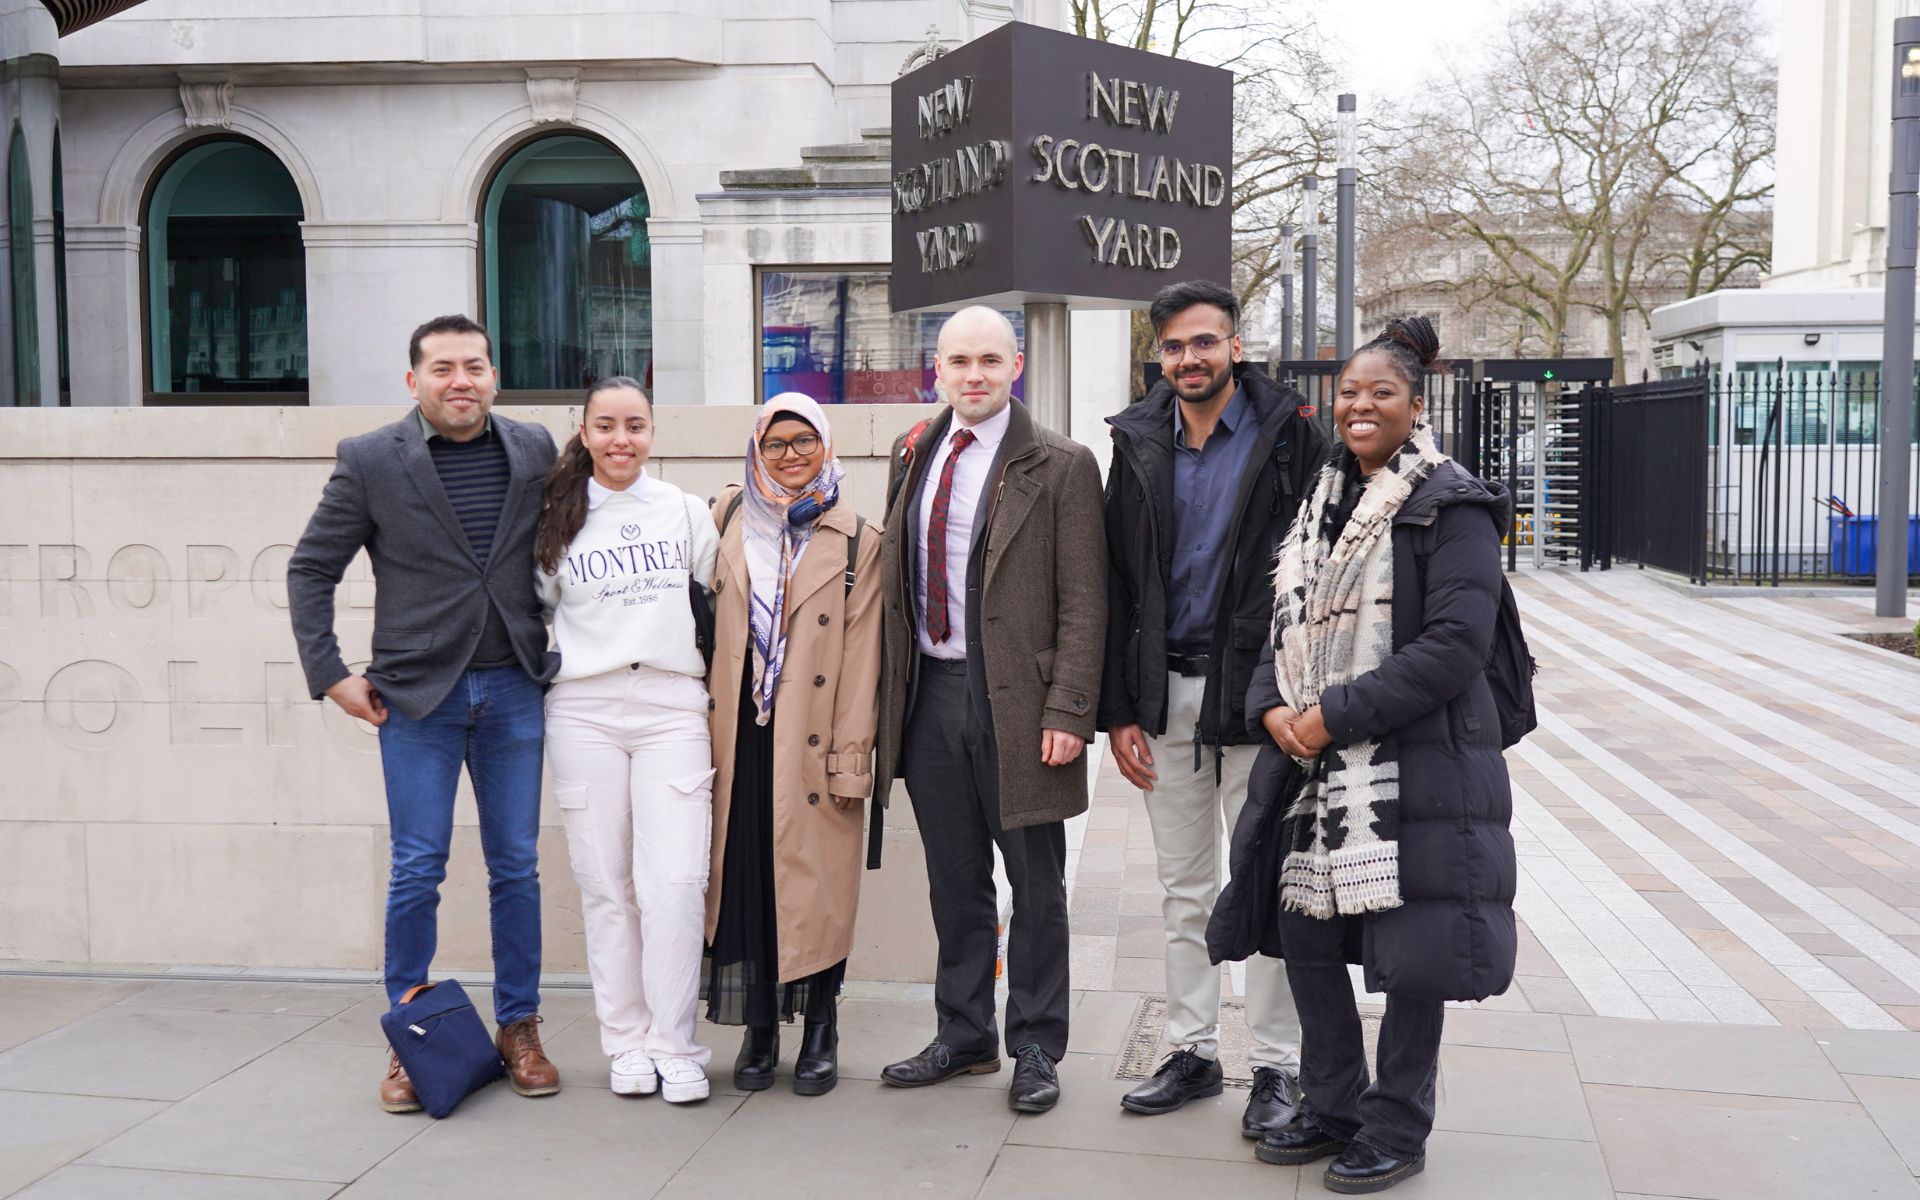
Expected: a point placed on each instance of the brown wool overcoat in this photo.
(1043, 616)
(823, 731)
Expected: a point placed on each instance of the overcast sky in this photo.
(1386, 47)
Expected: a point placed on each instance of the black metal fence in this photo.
(1756, 476)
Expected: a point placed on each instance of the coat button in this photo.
(823, 618)
(813, 739)
(710, 704)
(819, 681)
(813, 797)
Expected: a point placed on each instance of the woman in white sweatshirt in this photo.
(627, 733)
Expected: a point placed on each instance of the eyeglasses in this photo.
(1201, 346)
(803, 445)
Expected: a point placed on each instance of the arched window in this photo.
(26, 323)
(568, 267)
(226, 275)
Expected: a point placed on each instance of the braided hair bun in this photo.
(1416, 334)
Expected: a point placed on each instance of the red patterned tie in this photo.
(937, 623)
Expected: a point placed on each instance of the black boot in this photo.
(759, 1052)
(817, 1068)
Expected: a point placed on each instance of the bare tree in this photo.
(1611, 149)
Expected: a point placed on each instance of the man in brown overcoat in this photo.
(994, 567)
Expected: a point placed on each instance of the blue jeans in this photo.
(494, 721)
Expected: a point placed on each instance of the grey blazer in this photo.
(431, 593)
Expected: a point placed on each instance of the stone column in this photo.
(369, 285)
(679, 331)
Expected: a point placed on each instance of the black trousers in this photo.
(1395, 1113)
(951, 766)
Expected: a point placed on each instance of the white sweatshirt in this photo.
(620, 595)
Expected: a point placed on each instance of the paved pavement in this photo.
(1719, 983)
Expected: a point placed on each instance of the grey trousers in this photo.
(951, 766)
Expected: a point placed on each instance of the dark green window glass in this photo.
(227, 274)
(569, 267)
(26, 312)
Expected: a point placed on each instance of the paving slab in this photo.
(1023, 1172)
(1746, 1059)
(303, 1111)
(145, 1053)
(1894, 1105)
(84, 1182)
(40, 1132)
(1716, 1146)
(1480, 1166)
(1089, 1117)
(1871, 1051)
(861, 1139)
(1100, 1022)
(298, 999)
(36, 1006)
(1504, 1030)
(1525, 1092)
(586, 1141)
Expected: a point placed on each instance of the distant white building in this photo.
(212, 202)
(1820, 310)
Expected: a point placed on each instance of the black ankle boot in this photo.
(817, 1068)
(759, 1052)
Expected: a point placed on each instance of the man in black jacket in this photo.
(1207, 474)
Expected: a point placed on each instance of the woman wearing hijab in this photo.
(1396, 849)
(615, 556)
(795, 671)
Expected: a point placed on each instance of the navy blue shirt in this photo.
(1205, 484)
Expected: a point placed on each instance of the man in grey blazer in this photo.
(445, 502)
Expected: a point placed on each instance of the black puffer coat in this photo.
(1452, 938)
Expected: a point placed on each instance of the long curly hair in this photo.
(563, 497)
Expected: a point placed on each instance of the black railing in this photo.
(1757, 476)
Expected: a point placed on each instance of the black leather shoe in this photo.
(1036, 1084)
(759, 1052)
(1300, 1140)
(937, 1064)
(817, 1068)
(1184, 1076)
(1271, 1104)
(1363, 1169)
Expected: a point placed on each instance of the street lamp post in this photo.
(1310, 270)
(1896, 374)
(1288, 232)
(1344, 186)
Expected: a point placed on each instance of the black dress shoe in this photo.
(937, 1064)
(1184, 1076)
(1300, 1140)
(817, 1068)
(1363, 1169)
(1036, 1084)
(759, 1051)
(1271, 1104)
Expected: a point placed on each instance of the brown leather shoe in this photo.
(528, 1068)
(396, 1090)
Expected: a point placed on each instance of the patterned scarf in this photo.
(1333, 622)
(777, 524)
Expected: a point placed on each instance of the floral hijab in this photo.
(778, 523)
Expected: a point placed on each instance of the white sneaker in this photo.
(633, 1074)
(682, 1081)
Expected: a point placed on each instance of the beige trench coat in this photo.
(824, 715)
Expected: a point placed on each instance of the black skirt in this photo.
(743, 983)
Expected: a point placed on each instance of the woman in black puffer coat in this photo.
(1416, 880)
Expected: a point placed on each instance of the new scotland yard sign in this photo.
(1033, 165)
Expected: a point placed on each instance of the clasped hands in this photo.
(1301, 734)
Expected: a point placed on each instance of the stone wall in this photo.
(168, 793)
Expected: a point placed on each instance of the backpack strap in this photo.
(853, 550)
(733, 506)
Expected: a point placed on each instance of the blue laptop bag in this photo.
(443, 1045)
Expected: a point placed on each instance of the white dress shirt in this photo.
(969, 480)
